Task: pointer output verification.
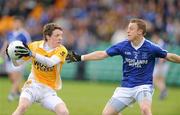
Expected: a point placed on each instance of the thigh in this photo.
(29, 91)
(24, 102)
(50, 102)
(124, 95)
(121, 98)
(144, 96)
(114, 106)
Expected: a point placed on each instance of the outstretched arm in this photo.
(97, 55)
(173, 57)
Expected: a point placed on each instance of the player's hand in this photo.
(21, 51)
(73, 57)
(7, 52)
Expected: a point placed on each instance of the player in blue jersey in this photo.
(15, 73)
(138, 63)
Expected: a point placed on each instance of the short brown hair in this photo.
(49, 28)
(140, 23)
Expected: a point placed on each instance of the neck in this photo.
(137, 41)
(49, 45)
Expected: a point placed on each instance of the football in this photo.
(11, 49)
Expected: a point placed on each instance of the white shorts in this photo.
(130, 95)
(37, 92)
(161, 70)
(11, 68)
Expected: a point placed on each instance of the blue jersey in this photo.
(138, 64)
(20, 35)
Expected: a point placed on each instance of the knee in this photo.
(105, 112)
(145, 110)
(62, 112)
(109, 113)
(22, 108)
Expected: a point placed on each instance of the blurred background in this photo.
(91, 25)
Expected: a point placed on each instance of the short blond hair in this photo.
(140, 23)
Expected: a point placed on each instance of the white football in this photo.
(11, 49)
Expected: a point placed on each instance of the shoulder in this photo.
(35, 44)
(62, 49)
(150, 44)
(155, 48)
(26, 34)
(123, 43)
(118, 48)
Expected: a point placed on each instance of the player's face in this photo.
(133, 31)
(56, 38)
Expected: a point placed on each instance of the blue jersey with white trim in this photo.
(21, 35)
(138, 64)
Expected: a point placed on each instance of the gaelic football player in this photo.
(48, 57)
(138, 55)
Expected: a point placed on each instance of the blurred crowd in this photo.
(86, 22)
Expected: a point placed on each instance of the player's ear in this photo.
(140, 32)
(47, 37)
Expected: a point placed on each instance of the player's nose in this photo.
(59, 38)
(127, 30)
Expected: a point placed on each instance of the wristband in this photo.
(82, 58)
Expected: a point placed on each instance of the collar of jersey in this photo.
(47, 48)
(140, 44)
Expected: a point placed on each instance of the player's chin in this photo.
(57, 44)
(130, 38)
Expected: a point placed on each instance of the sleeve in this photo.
(115, 50)
(159, 52)
(47, 61)
(58, 56)
(61, 53)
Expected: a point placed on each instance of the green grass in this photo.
(89, 98)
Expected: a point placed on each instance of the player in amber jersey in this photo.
(47, 58)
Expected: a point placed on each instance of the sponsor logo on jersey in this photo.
(144, 55)
(62, 53)
(42, 67)
(135, 63)
(127, 53)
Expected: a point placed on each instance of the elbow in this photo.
(16, 64)
(103, 55)
(50, 64)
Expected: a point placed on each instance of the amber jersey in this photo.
(42, 73)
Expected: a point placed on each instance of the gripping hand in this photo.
(21, 51)
(7, 53)
(73, 57)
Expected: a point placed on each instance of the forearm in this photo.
(17, 62)
(49, 61)
(97, 55)
(3, 49)
(173, 57)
